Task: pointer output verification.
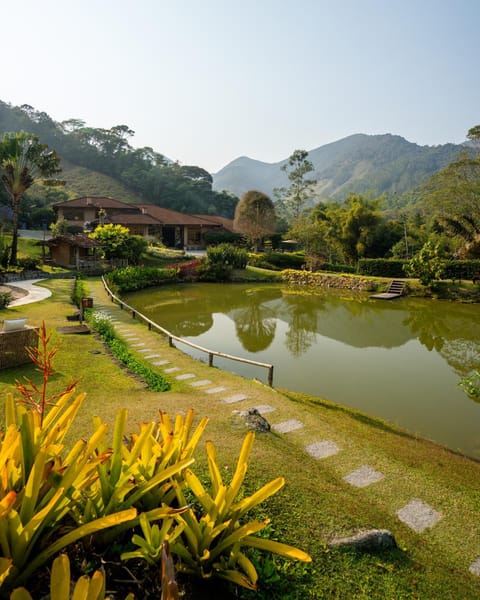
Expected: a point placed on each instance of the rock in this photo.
(372, 539)
(255, 421)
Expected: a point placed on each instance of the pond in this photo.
(398, 360)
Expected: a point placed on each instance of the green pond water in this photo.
(399, 360)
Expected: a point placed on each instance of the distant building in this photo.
(172, 228)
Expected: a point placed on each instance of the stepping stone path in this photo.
(235, 398)
(475, 566)
(287, 426)
(322, 449)
(418, 515)
(363, 476)
(263, 409)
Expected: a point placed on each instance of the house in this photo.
(172, 228)
(76, 251)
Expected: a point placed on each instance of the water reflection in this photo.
(400, 360)
(451, 330)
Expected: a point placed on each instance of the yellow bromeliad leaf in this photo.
(5, 568)
(238, 535)
(60, 578)
(247, 566)
(259, 496)
(75, 535)
(215, 476)
(200, 493)
(20, 594)
(190, 446)
(277, 548)
(237, 578)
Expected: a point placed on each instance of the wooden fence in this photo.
(171, 337)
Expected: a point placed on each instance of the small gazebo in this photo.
(74, 251)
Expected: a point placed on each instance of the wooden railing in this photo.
(171, 337)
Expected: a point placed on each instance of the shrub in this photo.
(457, 270)
(277, 260)
(332, 268)
(130, 279)
(381, 267)
(426, 265)
(28, 263)
(226, 254)
(5, 299)
(155, 381)
(208, 271)
(213, 238)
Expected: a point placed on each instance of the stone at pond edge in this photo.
(372, 539)
(255, 421)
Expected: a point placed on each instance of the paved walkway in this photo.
(416, 514)
(35, 292)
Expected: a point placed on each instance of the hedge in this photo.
(381, 267)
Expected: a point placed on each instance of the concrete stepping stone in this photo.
(475, 566)
(185, 376)
(287, 426)
(418, 515)
(138, 345)
(159, 363)
(322, 449)
(216, 390)
(172, 369)
(363, 476)
(235, 398)
(146, 350)
(150, 356)
(263, 409)
(201, 382)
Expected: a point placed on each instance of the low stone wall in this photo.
(330, 280)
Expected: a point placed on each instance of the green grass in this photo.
(315, 504)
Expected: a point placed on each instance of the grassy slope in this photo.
(316, 503)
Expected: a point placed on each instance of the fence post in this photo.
(210, 359)
(270, 376)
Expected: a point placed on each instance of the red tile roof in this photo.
(97, 201)
(172, 217)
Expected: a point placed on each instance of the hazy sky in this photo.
(206, 81)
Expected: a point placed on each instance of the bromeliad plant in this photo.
(214, 538)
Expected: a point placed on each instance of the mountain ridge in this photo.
(358, 163)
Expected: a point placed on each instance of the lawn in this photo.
(316, 503)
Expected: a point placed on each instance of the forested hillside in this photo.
(381, 164)
(101, 162)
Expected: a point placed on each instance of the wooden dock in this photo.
(395, 290)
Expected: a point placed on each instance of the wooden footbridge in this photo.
(395, 290)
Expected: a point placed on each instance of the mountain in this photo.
(356, 164)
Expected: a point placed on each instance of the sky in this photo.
(206, 81)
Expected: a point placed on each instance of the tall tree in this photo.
(294, 198)
(255, 216)
(452, 197)
(23, 162)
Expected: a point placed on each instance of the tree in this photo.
(360, 221)
(294, 198)
(255, 217)
(23, 162)
(427, 265)
(452, 197)
(118, 243)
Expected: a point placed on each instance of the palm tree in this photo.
(23, 162)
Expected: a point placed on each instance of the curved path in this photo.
(35, 292)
